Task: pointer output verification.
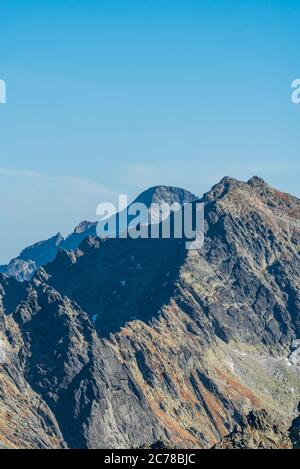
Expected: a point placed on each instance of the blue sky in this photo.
(114, 96)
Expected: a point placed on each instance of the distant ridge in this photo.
(33, 257)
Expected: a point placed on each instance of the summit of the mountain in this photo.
(166, 194)
(83, 227)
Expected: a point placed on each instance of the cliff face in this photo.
(257, 431)
(25, 419)
(130, 342)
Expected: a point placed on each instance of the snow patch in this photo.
(294, 357)
(2, 351)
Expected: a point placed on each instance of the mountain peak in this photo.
(83, 226)
(228, 184)
(35, 249)
(167, 194)
(228, 180)
(257, 181)
(221, 188)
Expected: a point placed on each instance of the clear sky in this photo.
(114, 96)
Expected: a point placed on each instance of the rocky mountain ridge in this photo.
(129, 342)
